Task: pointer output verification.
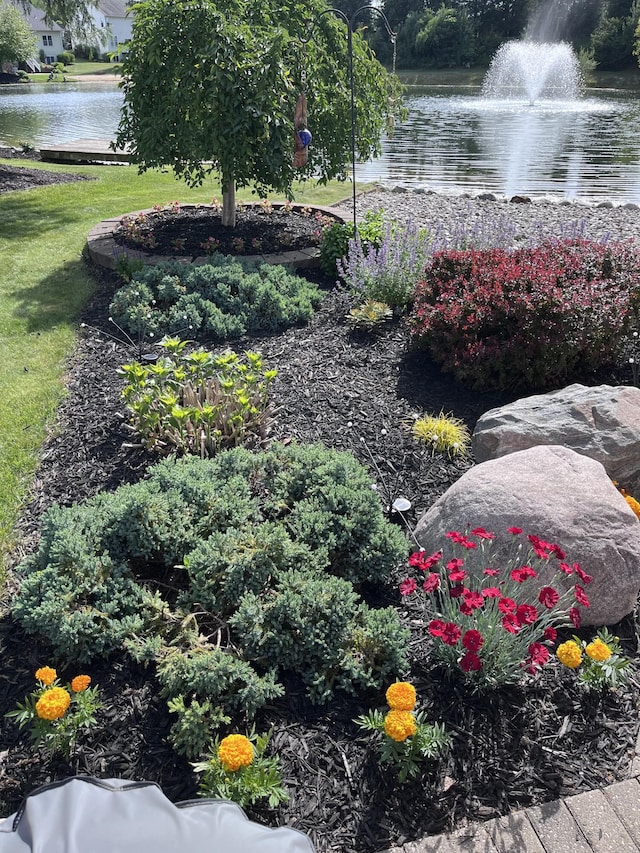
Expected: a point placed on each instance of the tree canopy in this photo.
(209, 87)
(17, 42)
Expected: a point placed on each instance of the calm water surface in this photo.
(453, 140)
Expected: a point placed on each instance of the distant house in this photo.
(49, 36)
(114, 20)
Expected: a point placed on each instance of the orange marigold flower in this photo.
(46, 674)
(400, 725)
(597, 650)
(633, 503)
(235, 751)
(401, 696)
(80, 683)
(53, 703)
(570, 654)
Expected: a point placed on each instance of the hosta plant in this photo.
(492, 623)
(238, 769)
(197, 402)
(57, 714)
(405, 738)
(598, 663)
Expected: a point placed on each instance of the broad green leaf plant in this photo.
(213, 87)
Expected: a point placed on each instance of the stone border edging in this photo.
(105, 252)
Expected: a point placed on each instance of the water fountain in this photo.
(530, 70)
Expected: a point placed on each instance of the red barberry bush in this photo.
(528, 318)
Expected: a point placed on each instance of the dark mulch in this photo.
(355, 392)
(14, 178)
(257, 230)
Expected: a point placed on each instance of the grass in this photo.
(74, 73)
(44, 284)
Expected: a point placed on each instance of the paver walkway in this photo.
(601, 821)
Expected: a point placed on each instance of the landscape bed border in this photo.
(105, 252)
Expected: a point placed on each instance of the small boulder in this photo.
(602, 423)
(562, 497)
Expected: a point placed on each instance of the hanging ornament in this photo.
(301, 136)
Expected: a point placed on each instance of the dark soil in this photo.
(257, 230)
(14, 178)
(356, 392)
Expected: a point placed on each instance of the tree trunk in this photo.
(228, 201)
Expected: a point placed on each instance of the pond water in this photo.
(454, 139)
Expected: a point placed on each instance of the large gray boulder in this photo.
(561, 496)
(602, 423)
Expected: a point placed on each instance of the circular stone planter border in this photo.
(105, 252)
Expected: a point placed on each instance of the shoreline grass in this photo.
(44, 284)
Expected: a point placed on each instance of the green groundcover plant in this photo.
(269, 550)
(492, 625)
(223, 299)
(529, 318)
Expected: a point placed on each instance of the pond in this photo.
(454, 139)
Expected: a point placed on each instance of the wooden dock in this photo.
(84, 151)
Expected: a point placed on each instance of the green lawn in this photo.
(107, 70)
(43, 285)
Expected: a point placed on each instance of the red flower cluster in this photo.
(513, 615)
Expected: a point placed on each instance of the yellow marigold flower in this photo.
(597, 650)
(80, 683)
(53, 703)
(401, 696)
(46, 674)
(570, 654)
(400, 725)
(235, 751)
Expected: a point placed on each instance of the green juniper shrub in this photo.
(190, 734)
(316, 625)
(334, 243)
(203, 568)
(197, 402)
(530, 318)
(222, 299)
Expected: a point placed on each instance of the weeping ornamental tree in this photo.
(213, 87)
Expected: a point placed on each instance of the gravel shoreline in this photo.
(484, 213)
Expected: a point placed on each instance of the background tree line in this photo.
(604, 33)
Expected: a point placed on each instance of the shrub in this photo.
(289, 535)
(195, 402)
(222, 299)
(528, 318)
(335, 240)
(66, 57)
(387, 273)
(317, 626)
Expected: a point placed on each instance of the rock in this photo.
(520, 199)
(487, 197)
(607, 205)
(602, 423)
(562, 497)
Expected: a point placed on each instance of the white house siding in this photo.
(49, 36)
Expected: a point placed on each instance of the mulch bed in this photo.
(356, 392)
(187, 231)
